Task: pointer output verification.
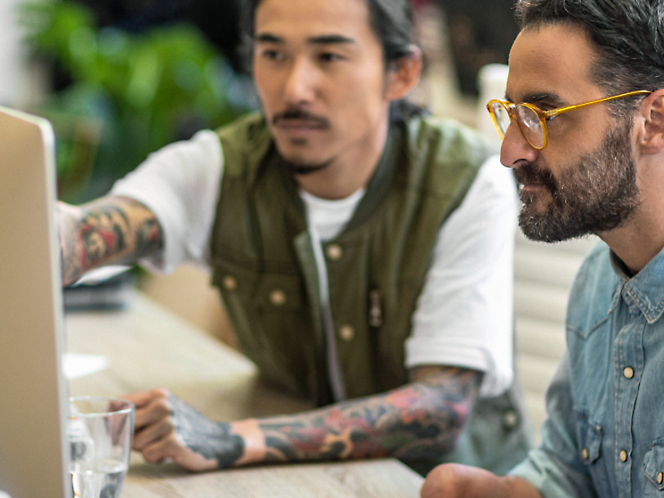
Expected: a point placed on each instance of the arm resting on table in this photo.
(422, 418)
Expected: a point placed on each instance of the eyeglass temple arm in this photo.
(561, 110)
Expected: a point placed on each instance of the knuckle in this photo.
(160, 393)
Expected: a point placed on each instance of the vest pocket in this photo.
(272, 323)
(653, 469)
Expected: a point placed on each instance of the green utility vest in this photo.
(263, 263)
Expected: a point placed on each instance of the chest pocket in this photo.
(589, 437)
(653, 469)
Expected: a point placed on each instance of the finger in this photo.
(153, 413)
(144, 398)
(153, 434)
(181, 455)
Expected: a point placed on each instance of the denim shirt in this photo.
(604, 435)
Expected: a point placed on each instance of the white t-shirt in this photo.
(464, 313)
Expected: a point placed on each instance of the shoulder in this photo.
(592, 291)
(449, 140)
(444, 155)
(245, 142)
(245, 131)
(182, 161)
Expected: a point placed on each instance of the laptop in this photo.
(33, 408)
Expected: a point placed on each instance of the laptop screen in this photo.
(33, 460)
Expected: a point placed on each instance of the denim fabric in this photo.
(606, 401)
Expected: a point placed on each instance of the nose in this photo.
(515, 147)
(299, 86)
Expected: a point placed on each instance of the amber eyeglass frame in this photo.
(542, 115)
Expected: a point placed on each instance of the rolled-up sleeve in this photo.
(180, 184)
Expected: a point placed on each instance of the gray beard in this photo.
(596, 195)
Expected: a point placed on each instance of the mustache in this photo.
(529, 174)
(301, 116)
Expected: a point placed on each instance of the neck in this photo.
(349, 171)
(642, 237)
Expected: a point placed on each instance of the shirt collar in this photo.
(646, 288)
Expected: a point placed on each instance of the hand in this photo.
(66, 221)
(166, 427)
(460, 481)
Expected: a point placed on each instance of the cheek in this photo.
(366, 97)
(266, 86)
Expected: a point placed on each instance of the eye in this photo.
(272, 54)
(330, 57)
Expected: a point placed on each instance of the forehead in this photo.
(552, 60)
(292, 19)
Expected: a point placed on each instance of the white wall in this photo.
(14, 81)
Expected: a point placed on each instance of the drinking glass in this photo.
(99, 434)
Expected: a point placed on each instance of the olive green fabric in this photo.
(264, 265)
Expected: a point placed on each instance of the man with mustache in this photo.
(583, 128)
(362, 250)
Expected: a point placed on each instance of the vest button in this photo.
(585, 454)
(229, 283)
(334, 252)
(628, 372)
(623, 456)
(510, 419)
(278, 297)
(660, 478)
(347, 333)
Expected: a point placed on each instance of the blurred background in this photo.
(121, 78)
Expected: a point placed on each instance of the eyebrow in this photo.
(314, 40)
(539, 97)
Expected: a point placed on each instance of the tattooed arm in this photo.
(111, 230)
(422, 418)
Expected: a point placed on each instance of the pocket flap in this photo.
(590, 439)
(653, 464)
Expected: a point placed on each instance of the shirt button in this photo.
(628, 372)
(623, 456)
(229, 283)
(278, 297)
(660, 478)
(585, 454)
(347, 333)
(334, 252)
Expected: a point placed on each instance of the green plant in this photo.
(141, 89)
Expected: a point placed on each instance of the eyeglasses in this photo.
(532, 120)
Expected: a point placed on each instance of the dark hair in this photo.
(391, 20)
(628, 36)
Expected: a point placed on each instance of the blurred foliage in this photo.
(130, 93)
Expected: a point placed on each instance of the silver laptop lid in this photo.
(33, 458)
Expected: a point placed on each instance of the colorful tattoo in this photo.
(419, 419)
(113, 230)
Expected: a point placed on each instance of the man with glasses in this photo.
(583, 131)
(362, 250)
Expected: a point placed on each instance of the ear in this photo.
(403, 74)
(651, 124)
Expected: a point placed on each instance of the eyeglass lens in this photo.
(501, 116)
(531, 126)
(529, 123)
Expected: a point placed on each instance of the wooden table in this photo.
(148, 347)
